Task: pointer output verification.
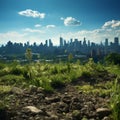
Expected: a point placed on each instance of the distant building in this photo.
(50, 43)
(106, 42)
(116, 41)
(84, 42)
(61, 42)
(46, 43)
(88, 43)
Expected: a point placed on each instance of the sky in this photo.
(40, 20)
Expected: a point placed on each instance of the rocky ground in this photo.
(66, 103)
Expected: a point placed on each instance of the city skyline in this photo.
(40, 20)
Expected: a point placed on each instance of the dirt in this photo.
(67, 103)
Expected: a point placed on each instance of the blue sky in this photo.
(38, 20)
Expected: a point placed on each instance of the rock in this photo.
(67, 99)
(33, 109)
(16, 90)
(106, 118)
(62, 107)
(102, 112)
(54, 117)
(40, 90)
(53, 99)
(68, 116)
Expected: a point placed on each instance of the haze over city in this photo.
(40, 20)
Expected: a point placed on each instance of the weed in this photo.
(115, 101)
(57, 81)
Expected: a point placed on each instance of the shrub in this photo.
(12, 79)
(54, 70)
(16, 70)
(57, 81)
(35, 82)
(5, 89)
(86, 74)
(115, 101)
(47, 86)
(2, 66)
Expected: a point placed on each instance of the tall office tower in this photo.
(50, 43)
(106, 42)
(28, 43)
(116, 41)
(65, 43)
(61, 41)
(76, 43)
(88, 43)
(84, 42)
(71, 40)
(46, 43)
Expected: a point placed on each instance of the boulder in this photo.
(16, 90)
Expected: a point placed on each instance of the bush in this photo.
(54, 70)
(2, 66)
(86, 74)
(57, 81)
(47, 86)
(12, 79)
(113, 58)
(16, 70)
(115, 101)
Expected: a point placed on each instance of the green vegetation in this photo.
(28, 54)
(113, 58)
(115, 100)
(52, 76)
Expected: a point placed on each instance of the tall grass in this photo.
(115, 100)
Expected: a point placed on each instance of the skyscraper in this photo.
(50, 43)
(61, 42)
(106, 42)
(46, 43)
(116, 41)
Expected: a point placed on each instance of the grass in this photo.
(114, 69)
(115, 101)
(51, 76)
(5, 89)
(96, 89)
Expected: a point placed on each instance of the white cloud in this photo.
(12, 36)
(38, 25)
(32, 13)
(112, 24)
(70, 21)
(50, 26)
(22, 37)
(36, 35)
(32, 30)
(109, 30)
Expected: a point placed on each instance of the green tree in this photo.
(28, 54)
(113, 58)
(70, 57)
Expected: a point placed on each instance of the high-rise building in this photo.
(106, 42)
(88, 43)
(71, 41)
(61, 41)
(46, 43)
(116, 41)
(65, 43)
(84, 42)
(50, 43)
